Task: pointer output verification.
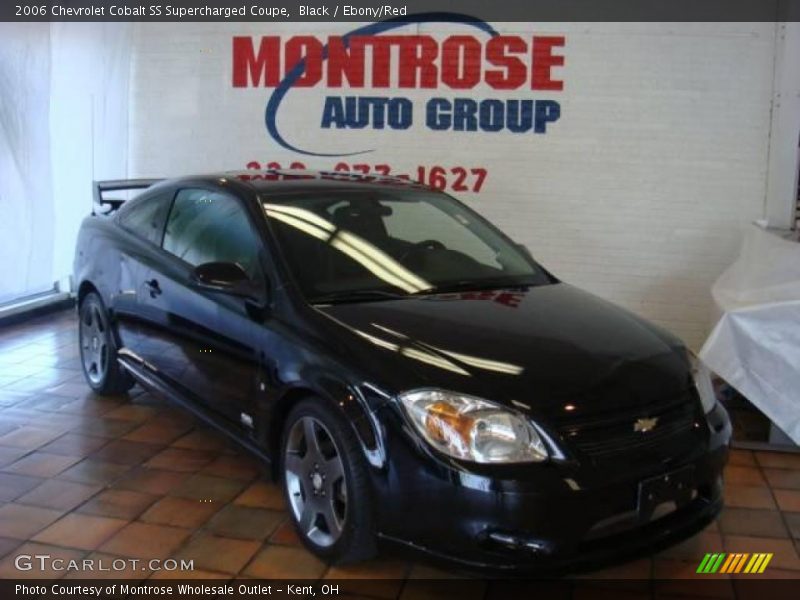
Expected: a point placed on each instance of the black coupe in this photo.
(410, 374)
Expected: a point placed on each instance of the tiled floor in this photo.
(84, 476)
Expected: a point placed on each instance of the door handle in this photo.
(155, 289)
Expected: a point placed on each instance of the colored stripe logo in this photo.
(734, 563)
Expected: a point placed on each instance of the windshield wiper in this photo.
(464, 285)
(348, 296)
(476, 285)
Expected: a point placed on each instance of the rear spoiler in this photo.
(106, 206)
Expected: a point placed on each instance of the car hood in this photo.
(543, 347)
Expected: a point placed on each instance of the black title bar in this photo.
(363, 11)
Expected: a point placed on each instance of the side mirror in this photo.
(225, 277)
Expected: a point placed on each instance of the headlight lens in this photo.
(472, 429)
(702, 381)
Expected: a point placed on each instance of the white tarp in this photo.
(755, 346)
(63, 122)
(26, 198)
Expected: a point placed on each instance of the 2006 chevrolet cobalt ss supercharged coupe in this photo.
(410, 373)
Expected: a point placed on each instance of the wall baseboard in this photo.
(35, 307)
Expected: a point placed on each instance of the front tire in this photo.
(99, 349)
(326, 484)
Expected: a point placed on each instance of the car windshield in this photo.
(367, 245)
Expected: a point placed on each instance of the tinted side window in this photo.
(206, 226)
(146, 218)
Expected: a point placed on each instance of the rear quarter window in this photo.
(146, 218)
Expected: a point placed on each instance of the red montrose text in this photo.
(459, 62)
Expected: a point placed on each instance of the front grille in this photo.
(610, 436)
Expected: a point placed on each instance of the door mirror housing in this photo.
(226, 277)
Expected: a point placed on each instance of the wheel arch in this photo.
(346, 399)
(85, 288)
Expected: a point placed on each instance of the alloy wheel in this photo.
(94, 344)
(315, 481)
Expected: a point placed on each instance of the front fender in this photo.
(356, 402)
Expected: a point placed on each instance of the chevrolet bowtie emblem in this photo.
(645, 425)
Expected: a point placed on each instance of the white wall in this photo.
(639, 193)
(88, 122)
(783, 149)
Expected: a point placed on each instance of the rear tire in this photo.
(326, 484)
(98, 349)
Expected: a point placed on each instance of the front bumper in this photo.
(552, 517)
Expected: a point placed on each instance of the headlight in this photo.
(472, 429)
(702, 381)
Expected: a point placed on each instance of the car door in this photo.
(203, 341)
(143, 223)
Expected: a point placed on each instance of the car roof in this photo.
(292, 181)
